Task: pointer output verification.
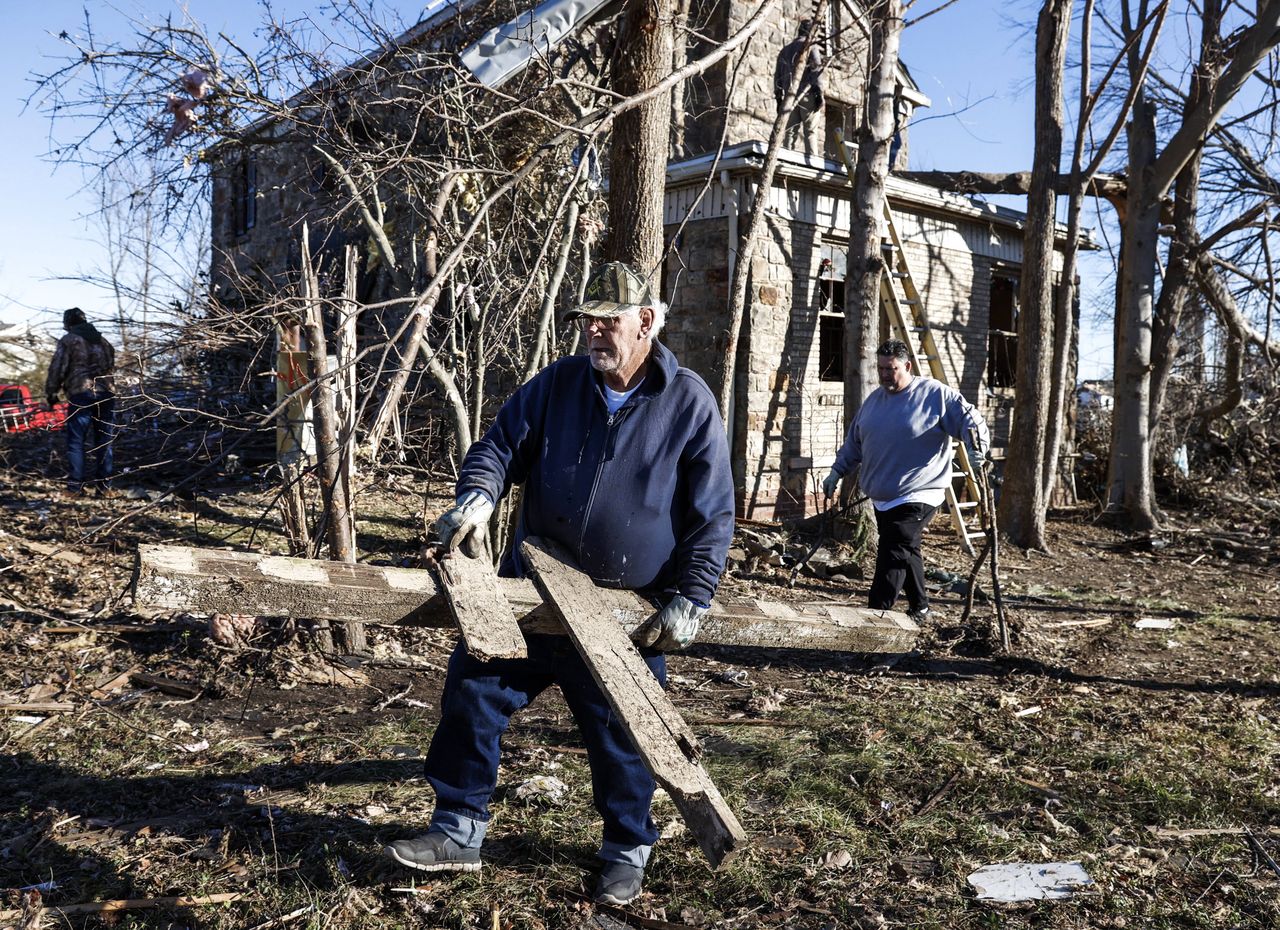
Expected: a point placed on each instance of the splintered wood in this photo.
(669, 748)
(205, 581)
(482, 612)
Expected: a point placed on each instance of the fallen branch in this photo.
(127, 904)
(167, 685)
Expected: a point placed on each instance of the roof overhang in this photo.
(749, 157)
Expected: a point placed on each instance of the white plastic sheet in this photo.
(1029, 881)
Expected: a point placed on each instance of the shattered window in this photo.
(831, 274)
(1002, 335)
(244, 194)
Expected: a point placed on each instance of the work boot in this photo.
(619, 883)
(434, 852)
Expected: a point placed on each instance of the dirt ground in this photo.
(1134, 729)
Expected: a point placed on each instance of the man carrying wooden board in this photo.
(623, 460)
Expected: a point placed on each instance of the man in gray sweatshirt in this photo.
(900, 446)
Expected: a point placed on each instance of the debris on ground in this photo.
(1011, 882)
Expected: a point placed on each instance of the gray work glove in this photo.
(673, 627)
(830, 484)
(465, 524)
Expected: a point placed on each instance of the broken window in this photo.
(244, 194)
(839, 118)
(1002, 338)
(831, 274)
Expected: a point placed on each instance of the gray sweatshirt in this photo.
(903, 440)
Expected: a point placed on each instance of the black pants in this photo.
(899, 566)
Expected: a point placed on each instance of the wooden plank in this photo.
(206, 581)
(166, 685)
(482, 612)
(669, 748)
(38, 707)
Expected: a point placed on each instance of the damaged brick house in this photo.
(787, 409)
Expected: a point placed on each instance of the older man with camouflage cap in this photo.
(623, 460)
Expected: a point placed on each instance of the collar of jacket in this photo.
(662, 371)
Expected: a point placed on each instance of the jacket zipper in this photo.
(613, 419)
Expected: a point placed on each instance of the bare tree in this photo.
(866, 261)
(641, 135)
(1024, 503)
(755, 227)
(1152, 171)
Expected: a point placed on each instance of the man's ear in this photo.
(646, 320)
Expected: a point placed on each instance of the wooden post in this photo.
(205, 581)
(669, 748)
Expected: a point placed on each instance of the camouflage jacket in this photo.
(81, 365)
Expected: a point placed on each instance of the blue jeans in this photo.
(478, 701)
(91, 427)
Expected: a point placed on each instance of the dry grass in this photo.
(868, 805)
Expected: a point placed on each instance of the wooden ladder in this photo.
(902, 303)
(898, 291)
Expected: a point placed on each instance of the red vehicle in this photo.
(19, 413)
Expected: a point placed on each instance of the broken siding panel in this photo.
(681, 202)
(987, 239)
(830, 212)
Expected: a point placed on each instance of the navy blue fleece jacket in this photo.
(643, 498)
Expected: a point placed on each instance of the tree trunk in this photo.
(1023, 504)
(1231, 390)
(1129, 484)
(755, 228)
(416, 329)
(1107, 186)
(337, 512)
(1060, 427)
(546, 321)
(866, 259)
(1178, 280)
(641, 136)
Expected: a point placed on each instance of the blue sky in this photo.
(971, 57)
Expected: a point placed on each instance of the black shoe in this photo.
(434, 852)
(619, 884)
(919, 617)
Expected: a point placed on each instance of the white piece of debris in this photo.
(836, 860)
(1029, 881)
(1153, 623)
(543, 788)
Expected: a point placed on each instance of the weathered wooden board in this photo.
(206, 581)
(483, 614)
(669, 748)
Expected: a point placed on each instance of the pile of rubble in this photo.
(775, 551)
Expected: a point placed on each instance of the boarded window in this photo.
(244, 194)
(1002, 340)
(831, 273)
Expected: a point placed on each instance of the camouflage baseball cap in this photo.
(613, 290)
